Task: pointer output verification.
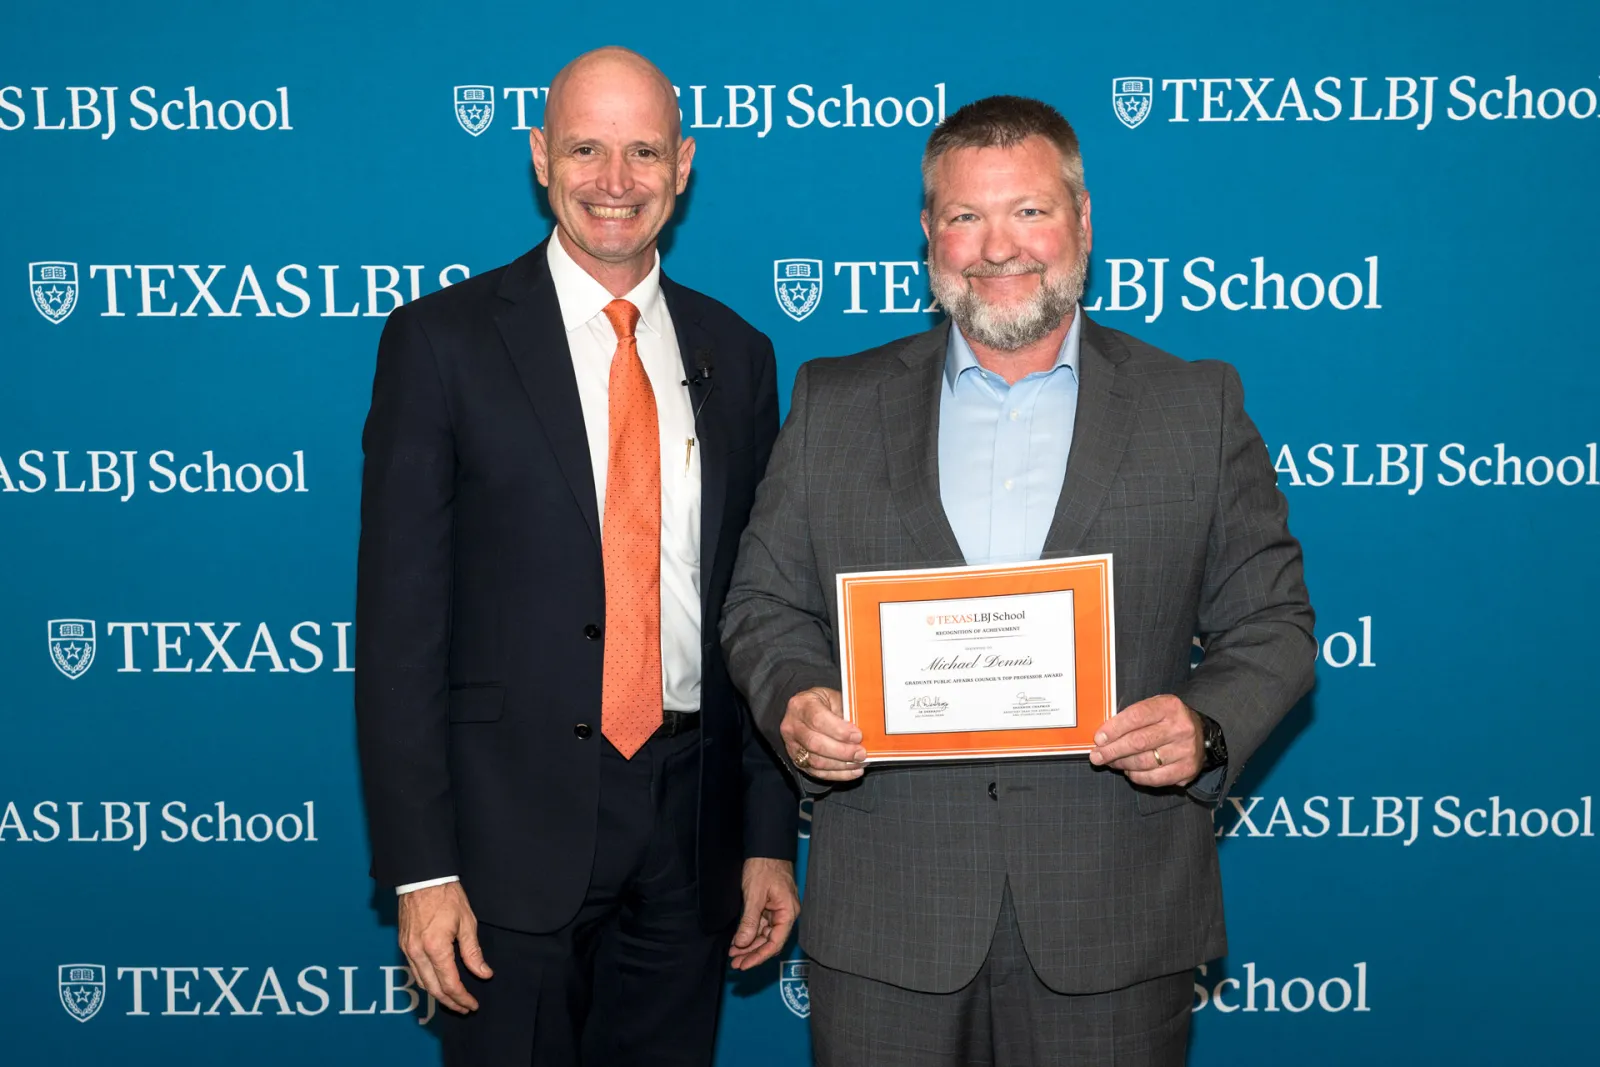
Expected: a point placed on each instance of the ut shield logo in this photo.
(474, 107)
(794, 987)
(72, 645)
(798, 283)
(83, 989)
(54, 287)
(1130, 99)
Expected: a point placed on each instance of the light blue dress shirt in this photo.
(1003, 450)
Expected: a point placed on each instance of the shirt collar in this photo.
(959, 357)
(582, 298)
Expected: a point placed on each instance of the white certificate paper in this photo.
(979, 663)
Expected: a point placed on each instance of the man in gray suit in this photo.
(1041, 911)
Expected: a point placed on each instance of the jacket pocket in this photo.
(1152, 802)
(481, 703)
(850, 795)
(1136, 490)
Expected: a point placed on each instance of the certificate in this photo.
(981, 662)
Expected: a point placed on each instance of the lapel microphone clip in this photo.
(700, 378)
(702, 370)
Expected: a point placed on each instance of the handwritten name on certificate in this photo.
(986, 663)
(979, 662)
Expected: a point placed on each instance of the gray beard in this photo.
(1008, 329)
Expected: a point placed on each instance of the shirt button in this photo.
(582, 731)
(1015, 416)
(1008, 483)
(592, 632)
(994, 794)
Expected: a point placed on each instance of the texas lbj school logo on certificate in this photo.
(979, 662)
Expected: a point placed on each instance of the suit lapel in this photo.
(910, 403)
(710, 428)
(1100, 436)
(537, 342)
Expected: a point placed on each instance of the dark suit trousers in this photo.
(632, 979)
(1004, 1017)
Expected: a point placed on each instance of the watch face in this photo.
(1216, 748)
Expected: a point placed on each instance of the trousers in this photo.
(632, 980)
(1004, 1017)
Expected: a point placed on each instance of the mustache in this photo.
(1010, 268)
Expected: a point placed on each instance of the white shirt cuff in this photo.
(410, 887)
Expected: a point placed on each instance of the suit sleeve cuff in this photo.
(412, 887)
(1207, 788)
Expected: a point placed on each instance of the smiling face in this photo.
(611, 156)
(1007, 250)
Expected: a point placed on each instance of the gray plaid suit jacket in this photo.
(1113, 884)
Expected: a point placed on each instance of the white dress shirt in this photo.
(593, 342)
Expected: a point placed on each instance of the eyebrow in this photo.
(574, 142)
(1037, 198)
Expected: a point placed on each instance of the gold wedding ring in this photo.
(1159, 761)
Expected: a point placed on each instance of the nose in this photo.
(999, 244)
(615, 178)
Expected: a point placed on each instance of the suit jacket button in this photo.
(994, 794)
(582, 731)
(592, 632)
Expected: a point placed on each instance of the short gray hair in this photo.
(1002, 122)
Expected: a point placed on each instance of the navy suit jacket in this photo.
(480, 607)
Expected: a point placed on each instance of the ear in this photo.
(541, 155)
(685, 162)
(926, 232)
(1088, 226)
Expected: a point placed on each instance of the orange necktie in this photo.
(630, 540)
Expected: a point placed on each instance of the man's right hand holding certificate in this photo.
(818, 738)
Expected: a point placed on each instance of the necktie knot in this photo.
(624, 317)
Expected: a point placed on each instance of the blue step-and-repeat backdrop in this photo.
(1384, 214)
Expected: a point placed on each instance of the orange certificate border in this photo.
(861, 654)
